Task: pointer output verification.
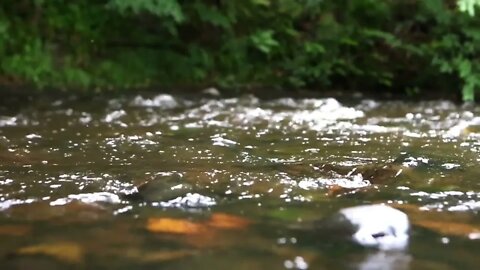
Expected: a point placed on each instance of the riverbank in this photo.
(25, 93)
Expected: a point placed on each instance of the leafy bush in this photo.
(398, 46)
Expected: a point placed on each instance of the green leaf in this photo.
(468, 6)
(464, 68)
(314, 48)
(468, 92)
(264, 41)
(261, 2)
(161, 8)
(212, 15)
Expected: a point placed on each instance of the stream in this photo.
(204, 182)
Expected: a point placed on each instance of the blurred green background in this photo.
(407, 47)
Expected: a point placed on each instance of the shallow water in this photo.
(70, 170)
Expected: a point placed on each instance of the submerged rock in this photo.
(88, 198)
(405, 166)
(68, 211)
(162, 101)
(378, 226)
(375, 173)
(164, 188)
(190, 200)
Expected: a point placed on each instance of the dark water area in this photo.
(180, 182)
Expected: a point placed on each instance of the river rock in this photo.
(379, 173)
(190, 200)
(164, 188)
(378, 226)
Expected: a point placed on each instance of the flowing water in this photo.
(194, 182)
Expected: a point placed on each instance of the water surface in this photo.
(249, 174)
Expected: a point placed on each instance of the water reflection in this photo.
(381, 260)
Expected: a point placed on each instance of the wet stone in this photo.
(190, 200)
(375, 173)
(379, 174)
(68, 212)
(163, 188)
(376, 226)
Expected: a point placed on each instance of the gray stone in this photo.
(378, 226)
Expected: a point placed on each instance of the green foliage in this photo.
(397, 46)
(160, 8)
(31, 62)
(264, 41)
(468, 6)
